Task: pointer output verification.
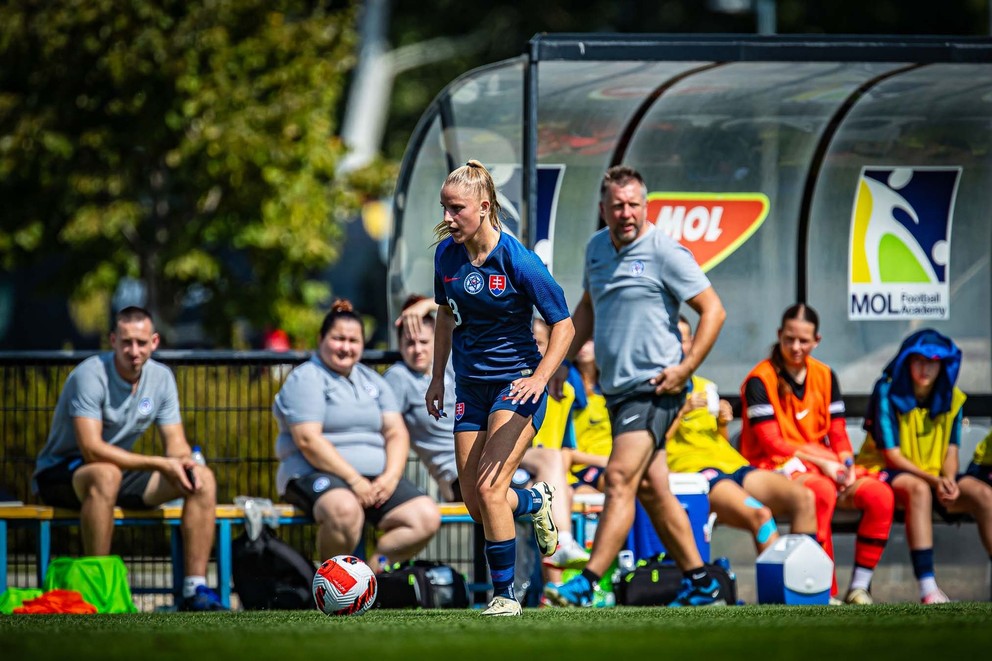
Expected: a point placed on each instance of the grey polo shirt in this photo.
(95, 390)
(349, 410)
(432, 440)
(636, 293)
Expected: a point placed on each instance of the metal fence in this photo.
(226, 400)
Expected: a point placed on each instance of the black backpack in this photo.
(269, 574)
(421, 584)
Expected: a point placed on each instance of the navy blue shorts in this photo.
(589, 475)
(979, 472)
(305, 491)
(713, 475)
(888, 474)
(475, 402)
(55, 487)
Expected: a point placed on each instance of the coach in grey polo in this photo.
(94, 389)
(636, 293)
(635, 279)
(350, 411)
(88, 464)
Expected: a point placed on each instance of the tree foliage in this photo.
(189, 144)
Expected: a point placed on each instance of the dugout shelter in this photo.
(852, 173)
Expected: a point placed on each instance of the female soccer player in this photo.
(486, 285)
(914, 431)
(794, 422)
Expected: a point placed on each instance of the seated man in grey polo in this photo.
(87, 464)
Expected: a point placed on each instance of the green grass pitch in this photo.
(961, 631)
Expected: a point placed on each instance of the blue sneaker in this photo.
(699, 596)
(574, 592)
(205, 599)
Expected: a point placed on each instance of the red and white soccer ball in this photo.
(344, 585)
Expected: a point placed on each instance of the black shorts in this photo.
(304, 492)
(645, 412)
(55, 487)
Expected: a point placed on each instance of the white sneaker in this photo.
(858, 596)
(503, 607)
(568, 556)
(545, 529)
(935, 597)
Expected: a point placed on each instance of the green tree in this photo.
(189, 144)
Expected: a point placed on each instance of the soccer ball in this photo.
(344, 585)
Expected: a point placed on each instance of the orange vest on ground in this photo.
(802, 421)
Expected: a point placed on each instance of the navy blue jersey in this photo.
(493, 308)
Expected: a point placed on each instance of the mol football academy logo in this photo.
(900, 243)
(710, 225)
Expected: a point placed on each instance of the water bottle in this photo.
(199, 459)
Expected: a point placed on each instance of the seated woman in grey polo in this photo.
(343, 446)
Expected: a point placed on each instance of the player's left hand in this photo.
(527, 389)
(671, 380)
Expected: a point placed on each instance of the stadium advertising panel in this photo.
(710, 225)
(900, 243)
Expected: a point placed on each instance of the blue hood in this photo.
(929, 343)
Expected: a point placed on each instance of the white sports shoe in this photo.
(935, 597)
(503, 607)
(568, 556)
(858, 596)
(545, 529)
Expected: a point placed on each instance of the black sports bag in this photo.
(422, 584)
(657, 583)
(269, 574)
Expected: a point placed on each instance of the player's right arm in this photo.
(444, 325)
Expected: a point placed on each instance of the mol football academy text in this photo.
(872, 302)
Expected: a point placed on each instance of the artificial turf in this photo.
(961, 631)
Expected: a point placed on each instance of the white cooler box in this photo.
(794, 570)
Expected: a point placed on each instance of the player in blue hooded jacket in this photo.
(914, 422)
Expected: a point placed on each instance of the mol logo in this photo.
(900, 243)
(710, 225)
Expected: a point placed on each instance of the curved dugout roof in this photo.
(854, 175)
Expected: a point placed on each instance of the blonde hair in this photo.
(476, 178)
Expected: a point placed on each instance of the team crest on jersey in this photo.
(459, 410)
(372, 391)
(497, 284)
(145, 406)
(637, 267)
(473, 283)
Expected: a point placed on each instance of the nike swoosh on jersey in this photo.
(448, 278)
(802, 414)
(627, 421)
